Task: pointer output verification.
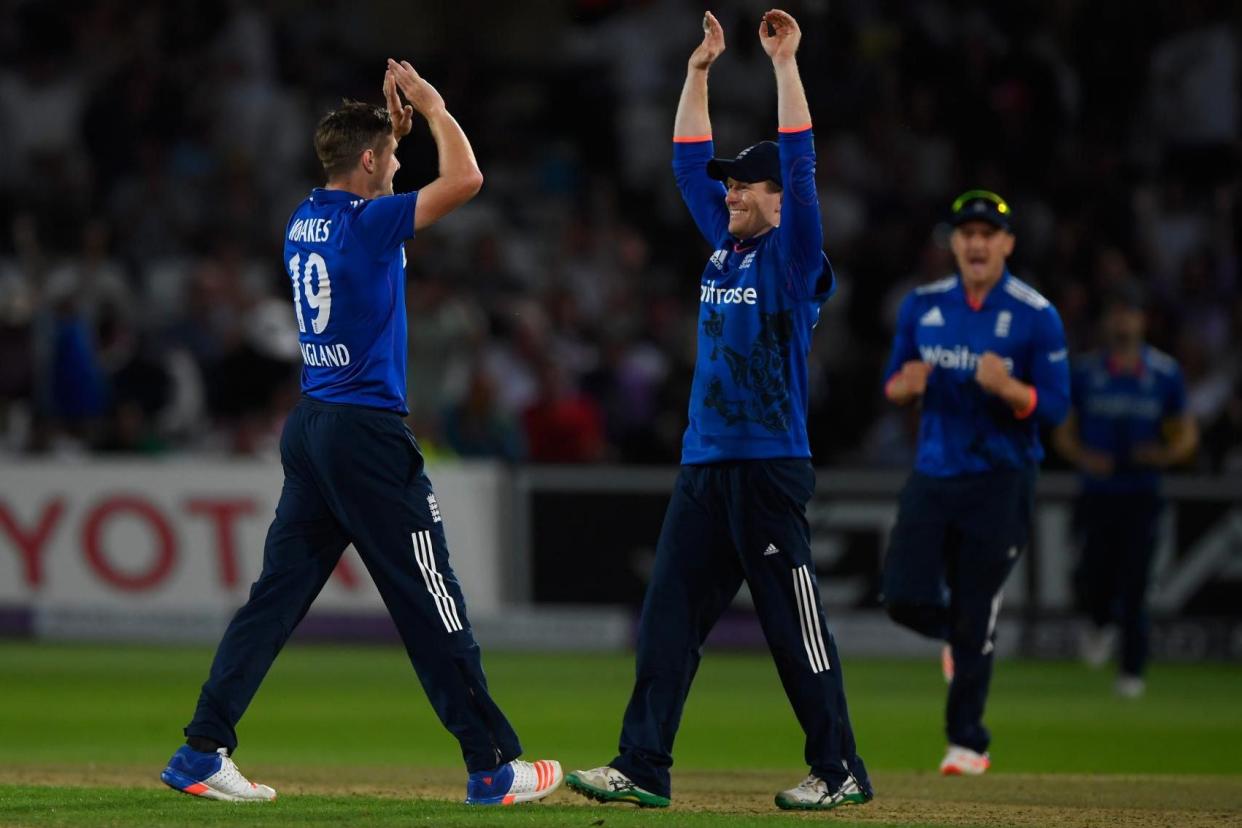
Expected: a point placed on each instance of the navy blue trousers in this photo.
(955, 543)
(727, 523)
(1119, 542)
(355, 475)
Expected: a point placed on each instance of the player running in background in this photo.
(1129, 422)
(985, 355)
(353, 472)
(738, 508)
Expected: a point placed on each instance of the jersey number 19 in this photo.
(318, 290)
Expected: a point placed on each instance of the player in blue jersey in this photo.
(353, 471)
(738, 509)
(1129, 422)
(984, 354)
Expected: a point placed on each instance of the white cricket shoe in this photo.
(607, 784)
(212, 776)
(514, 783)
(960, 761)
(814, 794)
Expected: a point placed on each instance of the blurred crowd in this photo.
(150, 153)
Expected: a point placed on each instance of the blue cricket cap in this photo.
(758, 162)
(981, 205)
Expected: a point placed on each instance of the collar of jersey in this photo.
(1000, 283)
(322, 195)
(1115, 369)
(750, 244)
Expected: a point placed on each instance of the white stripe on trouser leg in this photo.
(439, 579)
(426, 564)
(420, 552)
(813, 603)
(808, 618)
(806, 639)
(988, 644)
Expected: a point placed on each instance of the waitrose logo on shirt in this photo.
(709, 294)
(956, 358)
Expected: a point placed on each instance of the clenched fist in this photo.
(991, 373)
(913, 376)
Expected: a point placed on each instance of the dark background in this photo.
(150, 153)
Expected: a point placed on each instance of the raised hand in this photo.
(712, 46)
(402, 116)
(422, 96)
(779, 34)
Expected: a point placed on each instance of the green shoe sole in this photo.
(790, 804)
(636, 795)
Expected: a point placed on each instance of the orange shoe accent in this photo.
(508, 800)
(198, 789)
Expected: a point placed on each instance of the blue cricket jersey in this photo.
(346, 258)
(1119, 411)
(964, 429)
(758, 305)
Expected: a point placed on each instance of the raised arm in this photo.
(780, 36)
(692, 139)
(459, 179)
(802, 230)
(692, 120)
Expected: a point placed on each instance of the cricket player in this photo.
(984, 354)
(353, 471)
(738, 508)
(1128, 423)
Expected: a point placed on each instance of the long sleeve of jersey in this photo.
(1050, 368)
(801, 232)
(904, 347)
(704, 196)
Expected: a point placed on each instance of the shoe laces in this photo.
(228, 773)
(820, 788)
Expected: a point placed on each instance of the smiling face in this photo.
(754, 208)
(981, 249)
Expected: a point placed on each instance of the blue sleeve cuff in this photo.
(797, 137)
(694, 149)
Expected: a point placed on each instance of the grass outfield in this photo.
(346, 735)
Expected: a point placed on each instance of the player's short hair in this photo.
(345, 132)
